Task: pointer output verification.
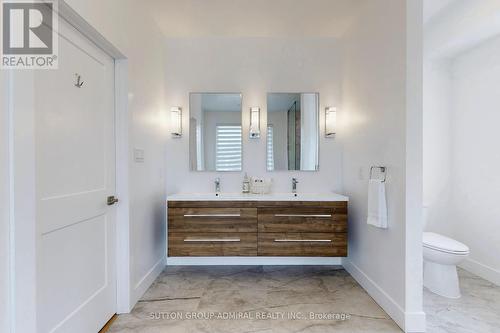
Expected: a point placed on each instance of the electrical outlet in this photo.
(139, 155)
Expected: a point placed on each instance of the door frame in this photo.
(22, 201)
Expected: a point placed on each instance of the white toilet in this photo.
(441, 256)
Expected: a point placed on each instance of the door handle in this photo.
(112, 200)
(303, 240)
(304, 215)
(212, 215)
(219, 240)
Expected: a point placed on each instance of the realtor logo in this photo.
(29, 40)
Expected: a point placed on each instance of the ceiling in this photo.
(458, 26)
(434, 7)
(253, 18)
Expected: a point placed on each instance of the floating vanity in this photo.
(305, 225)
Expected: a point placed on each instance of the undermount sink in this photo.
(257, 197)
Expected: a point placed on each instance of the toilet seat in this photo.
(444, 244)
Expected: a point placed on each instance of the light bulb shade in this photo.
(254, 122)
(176, 121)
(330, 122)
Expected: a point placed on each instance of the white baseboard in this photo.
(481, 270)
(408, 321)
(253, 261)
(147, 280)
(415, 322)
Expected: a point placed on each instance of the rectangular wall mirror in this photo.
(292, 131)
(215, 141)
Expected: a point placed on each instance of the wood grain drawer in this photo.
(212, 219)
(303, 244)
(303, 219)
(182, 244)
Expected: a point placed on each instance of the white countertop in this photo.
(256, 197)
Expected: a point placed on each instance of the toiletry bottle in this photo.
(246, 184)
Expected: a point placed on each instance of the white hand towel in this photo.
(377, 205)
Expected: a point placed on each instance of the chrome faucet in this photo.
(217, 185)
(294, 185)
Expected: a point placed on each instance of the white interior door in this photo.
(75, 173)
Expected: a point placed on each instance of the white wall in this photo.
(379, 93)
(4, 206)
(472, 213)
(415, 317)
(252, 66)
(474, 210)
(461, 158)
(437, 143)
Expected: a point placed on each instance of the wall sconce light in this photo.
(330, 122)
(176, 120)
(254, 122)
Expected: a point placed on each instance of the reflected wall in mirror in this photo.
(292, 131)
(215, 142)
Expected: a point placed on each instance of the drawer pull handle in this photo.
(303, 215)
(220, 240)
(303, 240)
(212, 215)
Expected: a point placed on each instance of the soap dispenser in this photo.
(246, 184)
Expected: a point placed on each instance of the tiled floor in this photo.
(292, 290)
(255, 291)
(477, 311)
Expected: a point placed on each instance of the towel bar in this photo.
(383, 170)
